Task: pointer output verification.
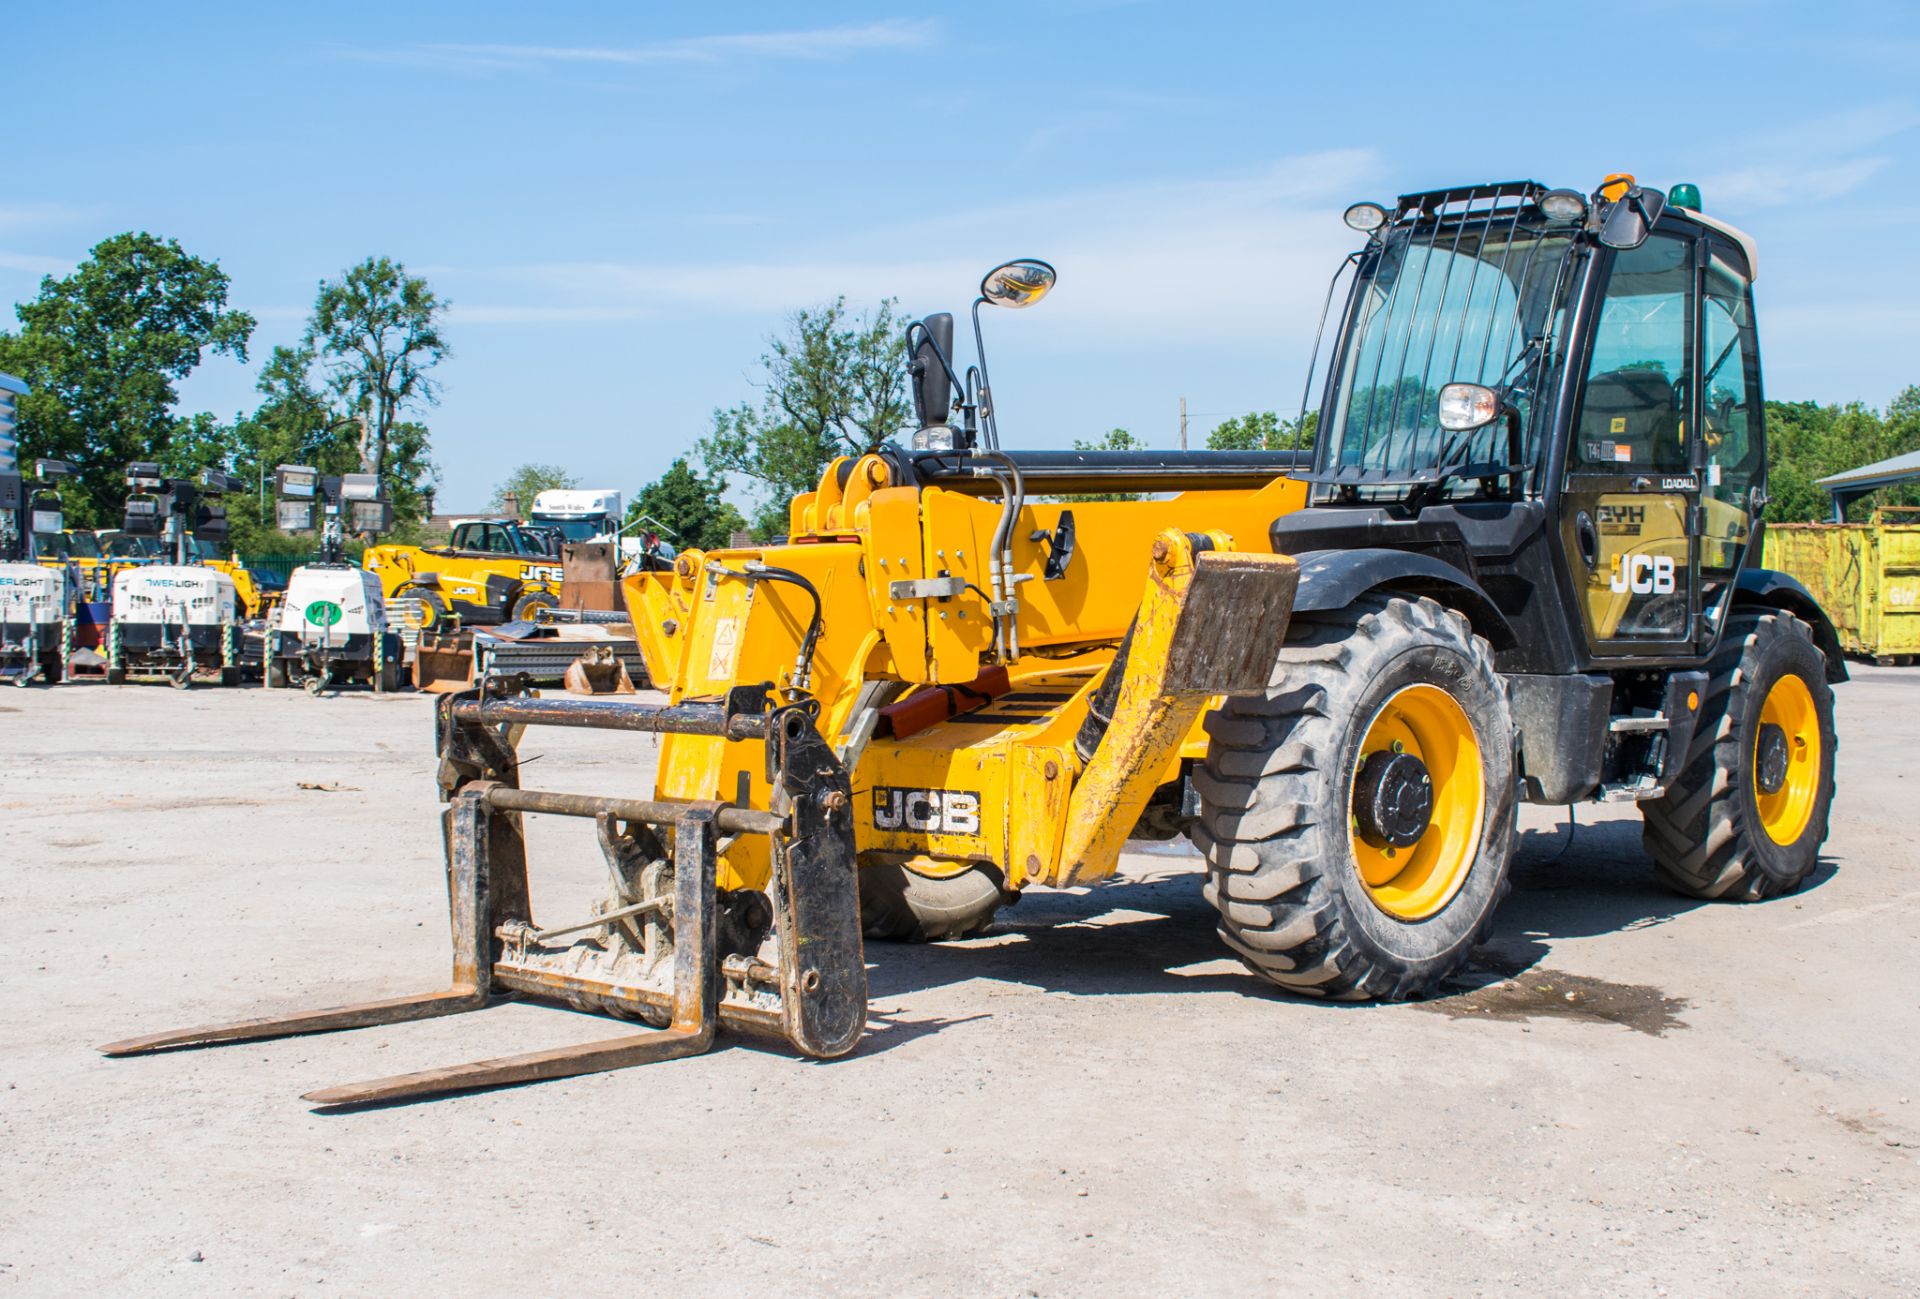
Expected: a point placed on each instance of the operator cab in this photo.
(1555, 394)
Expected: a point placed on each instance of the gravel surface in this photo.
(1632, 1093)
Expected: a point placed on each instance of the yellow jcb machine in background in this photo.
(1338, 672)
(490, 571)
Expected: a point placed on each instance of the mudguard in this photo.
(1770, 588)
(1334, 579)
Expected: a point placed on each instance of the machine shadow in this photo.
(1155, 935)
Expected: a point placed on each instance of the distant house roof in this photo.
(1881, 473)
(10, 384)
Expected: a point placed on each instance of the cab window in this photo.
(1633, 416)
(1731, 419)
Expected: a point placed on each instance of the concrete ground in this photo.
(1644, 1095)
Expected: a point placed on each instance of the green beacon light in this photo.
(1686, 196)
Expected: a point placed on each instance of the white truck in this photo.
(332, 627)
(585, 514)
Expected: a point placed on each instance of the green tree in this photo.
(527, 482)
(689, 507)
(835, 384)
(1807, 441)
(375, 335)
(102, 350)
(1263, 430)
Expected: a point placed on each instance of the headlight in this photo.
(939, 437)
(1563, 205)
(1466, 406)
(1365, 217)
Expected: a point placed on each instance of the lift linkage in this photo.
(667, 947)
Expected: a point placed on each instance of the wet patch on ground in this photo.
(1491, 989)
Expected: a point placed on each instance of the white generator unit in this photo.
(332, 629)
(170, 620)
(36, 629)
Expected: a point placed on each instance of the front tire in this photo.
(523, 608)
(1745, 818)
(1330, 877)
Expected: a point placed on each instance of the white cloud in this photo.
(1820, 158)
(1186, 261)
(28, 264)
(812, 45)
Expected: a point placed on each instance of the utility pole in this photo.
(1183, 423)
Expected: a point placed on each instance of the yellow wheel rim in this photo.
(1785, 812)
(1414, 882)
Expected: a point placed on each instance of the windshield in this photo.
(1473, 300)
(133, 546)
(51, 545)
(83, 545)
(574, 529)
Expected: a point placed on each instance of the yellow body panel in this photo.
(1001, 785)
(462, 576)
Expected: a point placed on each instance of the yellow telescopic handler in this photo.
(1514, 565)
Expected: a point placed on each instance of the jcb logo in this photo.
(932, 811)
(1642, 574)
(541, 573)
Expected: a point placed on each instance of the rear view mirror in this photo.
(1631, 219)
(931, 376)
(1018, 284)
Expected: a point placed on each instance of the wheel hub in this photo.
(1770, 759)
(1393, 799)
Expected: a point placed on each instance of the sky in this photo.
(623, 201)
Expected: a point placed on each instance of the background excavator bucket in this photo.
(598, 671)
(443, 664)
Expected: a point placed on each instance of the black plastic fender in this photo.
(1334, 579)
(1770, 588)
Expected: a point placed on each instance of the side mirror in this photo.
(1630, 220)
(49, 470)
(1019, 283)
(930, 370)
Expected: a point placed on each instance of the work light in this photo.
(1365, 217)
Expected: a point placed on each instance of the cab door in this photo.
(1633, 479)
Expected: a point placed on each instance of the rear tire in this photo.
(900, 904)
(229, 677)
(387, 680)
(1716, 833)
(276, 674)
(1305, 898)
(434, 614)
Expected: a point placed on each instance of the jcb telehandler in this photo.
(490, 571)
(1515, 565)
